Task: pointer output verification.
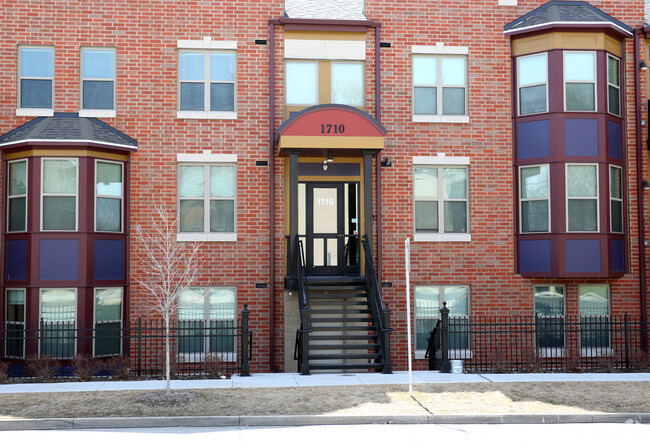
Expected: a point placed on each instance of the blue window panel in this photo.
(533, 139)
(617, 255)
(535, 256)
(583, 256)
(614, 140)
(16, 262)
(109, 260)
(58, 260)
(581, 137)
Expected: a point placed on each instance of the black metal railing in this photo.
(538, 343)
(380, 312)
(212, 348)
(302, 336)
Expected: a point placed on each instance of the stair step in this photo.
(336, 280)
(324, 294)
(344, 328)
(365, 366)
(335, 287)
(341, 320)
(344, 347)
(343, 356)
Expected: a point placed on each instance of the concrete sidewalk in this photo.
(296, 380)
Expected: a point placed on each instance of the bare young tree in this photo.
(166, 268)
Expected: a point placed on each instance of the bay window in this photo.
(616, 199)
(59, 194)
(582, 197)
(534, 199)
(579, 81)
(108, 321)
(58, 315)
(532, 84)
(108, 196)
(17, 196)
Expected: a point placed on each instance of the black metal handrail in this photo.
(302, 336)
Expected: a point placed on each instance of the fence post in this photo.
(245, 365)
(139, 346)
(445, 367)
(627, 343)
(304, 337)
(388, 369)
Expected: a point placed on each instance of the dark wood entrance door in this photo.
(331, 224)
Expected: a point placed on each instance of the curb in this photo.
(303, 420)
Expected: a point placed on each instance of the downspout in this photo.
(378, 160)
(272, 365)
(640, 190)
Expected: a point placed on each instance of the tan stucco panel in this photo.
(566, 41)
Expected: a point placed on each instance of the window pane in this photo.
(192, 66)
(425, 100)
(532, 99)
(108, 304)
(426, 216)
(423, 327)
(16, 305)
(614, 103)
(222, 336)
(424, 71)
(98, 95)
(426, 183)
(109, 214)
(36, 93)
(532, 69)
(615, 182)
(99, 64)
(455, 183)
(580, 97)
(108, 338)
(455, 217)
(222, 97)
(59, 176)
(191, 216)
(347, 83)
(579, 66)
(549, 300)
(583, 215)
(36, 62)
(58, 305)
(17, 214)
(613, 71)
(301, 83)
(534, 182)
(191, 336)
(457, 298)
(222, 66)
(582, 181)
(191, 305)
(191, 181)
(453, 71)
(222, 181)
(616, 209)
(222, 304)
(534, 216)
(222, 216)
(192, 96)
(427, 313)
(453, 101)
(109, 179)
(18, 178)
(59, 213)
(594, 299)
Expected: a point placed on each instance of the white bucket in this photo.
(456, 366)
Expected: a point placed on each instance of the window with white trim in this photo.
(616, 199)
(532, 83)
(109, 194)
(549, 311)
(206, 321)
(59, 187)
(594, 307)
(579, 81)
(439, 85)
(534, 199)
(17, 196)
(15, 323)
(97, 80)
(582, 197)
(35, 78)
(441, 199)
(207, 82)
(58, 316)
(429, 301)
(613, 85)
(108, 321)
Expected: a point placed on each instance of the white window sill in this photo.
(206, 237)
(34, 112)
(194, 357)
(440, 118)
(454, 354)
(97, 113)
(184, 114)
(437, 237)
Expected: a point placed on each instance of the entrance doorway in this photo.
(329, 227)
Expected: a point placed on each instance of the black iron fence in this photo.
(198, 348)
(538, 343)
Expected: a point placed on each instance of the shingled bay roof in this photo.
(325, 9)
(565, 12)
(68, 127)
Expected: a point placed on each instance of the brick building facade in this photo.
(501, 138)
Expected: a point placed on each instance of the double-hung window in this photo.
(532, 84)
(439, 87)
(58, 318)
(441, 199)
(207, 80)
(616, 199)
(594, 318)
(36, 78)
(582, 197)
(97, 82)
(534, 199)
(59, 194)
(17, 196)
(109, 193)
(15, 323)
(429, 301)
(579, 81)
(347, 83)
(613, 85)
(342, 82)
(108, 321)
(206, 322)
(549, 312)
